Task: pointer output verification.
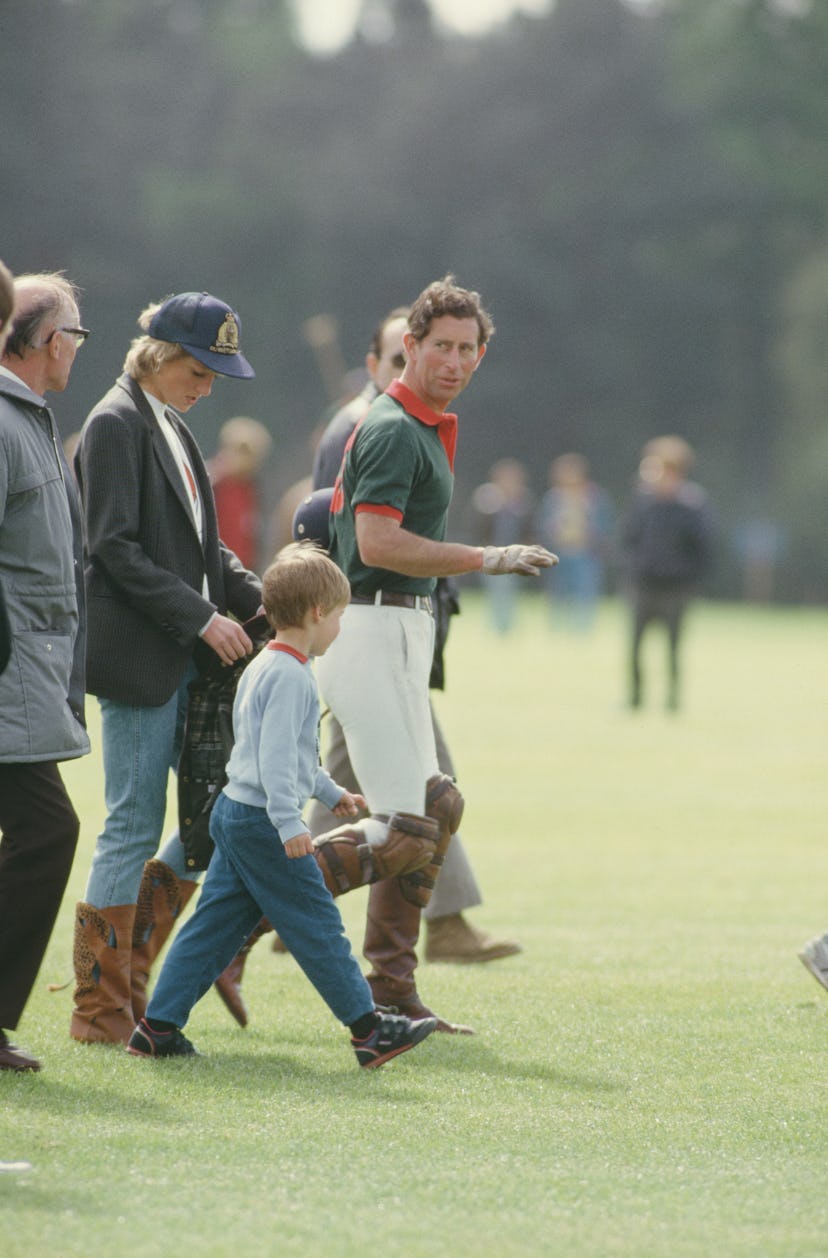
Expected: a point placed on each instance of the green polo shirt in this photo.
(400, 464)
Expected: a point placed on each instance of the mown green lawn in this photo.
(648, 1078)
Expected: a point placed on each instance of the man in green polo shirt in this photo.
(388, 530)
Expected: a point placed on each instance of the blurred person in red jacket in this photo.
(244, 446)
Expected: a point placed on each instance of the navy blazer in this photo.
(144, 561)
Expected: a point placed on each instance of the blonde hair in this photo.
(146, 355)
(301, 577)
(671, 452)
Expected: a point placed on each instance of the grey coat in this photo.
(42, 687)
(145, 563)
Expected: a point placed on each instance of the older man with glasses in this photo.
(42, 684)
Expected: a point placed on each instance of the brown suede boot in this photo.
(161, 898)
(228, 983)
(453, 939)
(347, 861)
(102, 955)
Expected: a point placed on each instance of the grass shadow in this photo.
(475, 1057)
(58, 1096)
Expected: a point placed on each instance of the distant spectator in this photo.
(244, 445)
(575, 520)
(759, 543)
(280, 525)
(503, 508)
(666, 541)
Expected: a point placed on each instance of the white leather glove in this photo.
(527, 560)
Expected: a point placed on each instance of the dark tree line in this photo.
(641, 199)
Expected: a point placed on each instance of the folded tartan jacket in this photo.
(208, 741)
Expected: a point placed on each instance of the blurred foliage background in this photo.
(638, 191)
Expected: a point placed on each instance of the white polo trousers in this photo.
(374, 678)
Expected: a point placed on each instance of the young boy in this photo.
(262, 863)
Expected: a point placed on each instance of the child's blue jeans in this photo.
(250, 877)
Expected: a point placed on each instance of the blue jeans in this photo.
(140, 746)
(251, 876)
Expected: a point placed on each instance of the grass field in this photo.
(648, 1078)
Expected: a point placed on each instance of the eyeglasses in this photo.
(80, 334)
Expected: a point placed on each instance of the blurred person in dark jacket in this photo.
(42, 679)
(667, 542)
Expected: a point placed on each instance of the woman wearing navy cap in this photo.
(160, 587)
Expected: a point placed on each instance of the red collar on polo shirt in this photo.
(445, 422)
(288, 650)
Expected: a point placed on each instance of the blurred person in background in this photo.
(244, 446)
(503, 509)
(666, 543)
(575, 519)
(42, 634)
(162, 591)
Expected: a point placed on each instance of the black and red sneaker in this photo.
(144, 1042)
(393, 1034)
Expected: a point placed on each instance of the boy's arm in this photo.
(326, 790)
(282, 716)
(300, 845)
(350, 805)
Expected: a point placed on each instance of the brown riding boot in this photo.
(392, 928)
(348, 861)
(228, 983)
(391, 932)
(161, 898)
(102, 956)
(444, 805)
(394, 909)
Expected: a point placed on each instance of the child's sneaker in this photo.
(393, 1034)
(144, 1042)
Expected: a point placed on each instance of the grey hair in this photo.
(40, 299)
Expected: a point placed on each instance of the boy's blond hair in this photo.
(301, 577)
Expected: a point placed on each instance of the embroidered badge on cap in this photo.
(227, 337)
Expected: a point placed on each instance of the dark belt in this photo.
(389, 598)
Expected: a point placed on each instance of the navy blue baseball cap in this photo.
(312, 518)
(206, 328)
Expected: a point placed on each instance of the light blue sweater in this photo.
(275, 759)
